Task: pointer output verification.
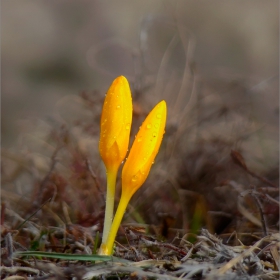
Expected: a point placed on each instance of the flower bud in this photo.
(115, 123)
(144, 150)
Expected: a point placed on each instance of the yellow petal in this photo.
(144, 150)
(116, 123)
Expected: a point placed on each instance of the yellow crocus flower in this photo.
(138, 164)
(144, 150)
(114, 139)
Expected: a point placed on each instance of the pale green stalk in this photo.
(107, 247)
(110, 199)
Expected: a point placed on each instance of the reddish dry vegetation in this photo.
(207, 215)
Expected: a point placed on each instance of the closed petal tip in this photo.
(115, 123)
(144, 149)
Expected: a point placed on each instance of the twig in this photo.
(239, 160)
(9, 246)
(165, 245)
(18, 218)
(263, 221)
(272, 199)
(255, 195)
(16, 269)
(93, 175)
(231, 235)
(246, 213)
(269, 190)
(47, 176)
(33, 214)
(66, 213)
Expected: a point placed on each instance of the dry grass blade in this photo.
(72, 257)
(244, 211)
(17, 269)
(275, 254)
(132, 270)
(240, 257)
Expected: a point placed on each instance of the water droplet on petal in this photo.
(118, 106)
(127, 126)
(154, 134)
(156, 125)
(134, 178)
(149, 126)
(139, 139)
(158, 116)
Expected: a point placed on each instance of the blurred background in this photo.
(216, 63)
(51, 49)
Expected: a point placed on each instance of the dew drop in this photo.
(158, 116)
(156, 125)
(118, 106)
(149, 126)
(127, 126)
(103, 135)
(134, 178)
(139, 139)
(154, 134)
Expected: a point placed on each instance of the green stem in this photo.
(107, 247)
(110, 199)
